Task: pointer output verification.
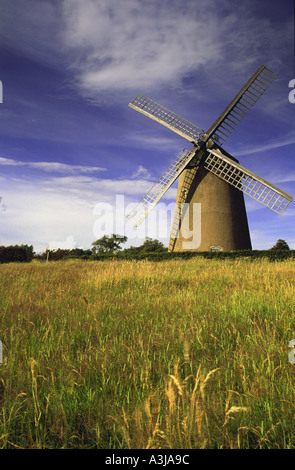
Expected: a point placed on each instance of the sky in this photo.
(74, 158)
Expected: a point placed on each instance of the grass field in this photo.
(138, 354)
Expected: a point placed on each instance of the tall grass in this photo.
(136, 354)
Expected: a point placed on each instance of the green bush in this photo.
(277, 255)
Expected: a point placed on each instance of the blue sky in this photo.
(70, 143)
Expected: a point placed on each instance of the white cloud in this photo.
(139, 44)
(142, 172)
(46, 211)
(68, 244)
(156, 142)
(51, 166)
(122, 45)
(36, 216)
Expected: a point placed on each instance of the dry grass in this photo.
(137, 354)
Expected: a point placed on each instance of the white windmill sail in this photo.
(247, 181)
(142, 209)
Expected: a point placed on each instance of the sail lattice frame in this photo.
(145, 205)
(243, 102)
(172, 121)
(247, 181)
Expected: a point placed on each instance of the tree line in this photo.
(17, 253)
(106, 246)
(110, 246)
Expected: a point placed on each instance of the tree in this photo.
(16, 253)
(149, 246)
(280, 245)
(108, 243)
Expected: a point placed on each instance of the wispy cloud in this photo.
(98, 189)
(51, 166)
(138, 44)
(278, 143)
(30, 35)
(148, 141)
(132, 43)
(141, 172)
(110, 45)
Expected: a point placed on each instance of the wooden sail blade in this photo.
(246, 181)
(235, 112)
(143, 208)
(167, 118)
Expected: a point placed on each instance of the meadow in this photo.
(179, 354)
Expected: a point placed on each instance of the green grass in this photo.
(137, 354)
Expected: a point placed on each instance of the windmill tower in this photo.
(210, 177)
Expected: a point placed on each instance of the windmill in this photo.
(210, 176)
